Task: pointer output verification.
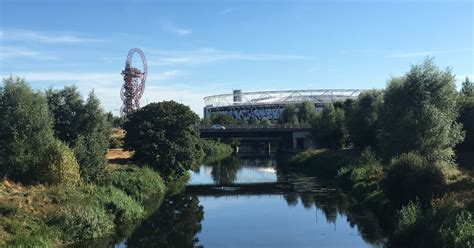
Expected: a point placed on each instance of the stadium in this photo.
(269, 104)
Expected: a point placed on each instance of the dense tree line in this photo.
(419, 112)
(48, 137)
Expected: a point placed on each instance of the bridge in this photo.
(268, 188)
(293, 137)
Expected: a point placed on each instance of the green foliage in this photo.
(288, 115)
(410, 177)
(80, 223)
(444, 224)
(222, 119)
(362, 121)
(90, 153)
(163, 135)
(26, 130)
(60, 167)
(324, 163)
(306, 112)
(67, 107)
(119, 204)
(84, 126)
(467, 89)
(466, 116)
(363, 177)
(115, 142)
(115, 121)
(329, 128)
(214, 151)
(141, 184)
(265, 122)
(419, 114)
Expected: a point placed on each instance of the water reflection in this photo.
(235, 170)
(175, 224)
(305, 212)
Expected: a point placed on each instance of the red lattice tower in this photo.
(134, 83)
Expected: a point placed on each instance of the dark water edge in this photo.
(252, 203)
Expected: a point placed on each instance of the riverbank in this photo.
(418, 207)
(41, 215)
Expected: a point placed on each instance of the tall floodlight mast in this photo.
(134, 83)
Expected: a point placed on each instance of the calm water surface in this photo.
(258, 206)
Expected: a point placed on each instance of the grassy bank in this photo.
(420, 204)
(42, 216)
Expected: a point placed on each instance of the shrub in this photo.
(80, 222)
(90, 153)
(444, 224)
(407, 226)
(139, 183)
(214, 151)
(324, 163)
(410, 176)
(61, 166)
(122, 206)
(459, 231)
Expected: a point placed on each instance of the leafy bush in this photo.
(61, 167)
(324, 163)
(444, 224)
(214, 151)
(80, 223)
(26, 130)
(139, 183)
(116, 202)
(90, 153)
(410, 176)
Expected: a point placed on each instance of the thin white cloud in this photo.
(426, 53)
(201, 56)
(12, 52)
(39, 37)
(171, 28)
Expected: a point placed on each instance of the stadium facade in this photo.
(269, 104)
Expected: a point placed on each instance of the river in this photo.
(254, 203)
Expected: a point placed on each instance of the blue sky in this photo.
(200, 48)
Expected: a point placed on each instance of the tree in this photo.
(329, 128)
(467, 89)
(163, 135)
(419, 114)
(84, 126)
(265, 122)
(26, 130)
(223, 119)
(306, 112)
(288, 115)
(363, 118)
(67, 108)
(466, 115)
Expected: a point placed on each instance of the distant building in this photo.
(269, 104)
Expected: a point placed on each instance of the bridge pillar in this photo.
(302, 140)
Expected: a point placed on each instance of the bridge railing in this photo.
(255, 126)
